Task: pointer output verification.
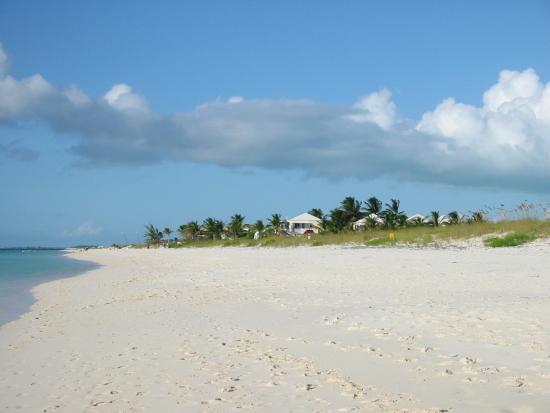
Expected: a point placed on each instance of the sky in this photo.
(114, 115)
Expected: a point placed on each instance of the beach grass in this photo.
(512, 239)
(507, 233)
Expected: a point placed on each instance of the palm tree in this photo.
(316, 212)
(338, 220)
(152, 234)
(190, 230)
(351, 208)
(235, 225)
(167, 231)
(416, 222)
(370, 222)
(373, 206)
(435, 218)
(275, 223)
(393, 216)
(454, 216)
(478, 216)
(326, 224)
(213, 227)
(219, 227)
(259, 226)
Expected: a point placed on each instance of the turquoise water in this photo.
(20, 270)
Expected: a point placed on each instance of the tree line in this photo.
(373, 210)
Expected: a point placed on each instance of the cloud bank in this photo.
(504, 143)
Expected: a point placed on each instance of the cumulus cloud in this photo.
(376, 108)
(504, 143)
(510, 133)
(122, 97)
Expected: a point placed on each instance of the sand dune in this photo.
(287, 330)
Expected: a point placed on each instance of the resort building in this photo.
(416, 219)
(362, 223)
(303, 223)
(442, 220)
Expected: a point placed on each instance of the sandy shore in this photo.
(280, 330)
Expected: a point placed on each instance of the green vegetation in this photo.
(152, 234)
(351, 208)
(275, 223)
(393, 216)
(370, 223)
(259, 226)
(316, 212)
(512, 239)
(379, 237)
(421, 236)
(213, 228)
(235, 226)
(373, 206)
(435, 218)
(190, 230)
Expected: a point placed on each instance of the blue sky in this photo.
(333, 100)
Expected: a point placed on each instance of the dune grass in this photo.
(524, 230)
(512, 239)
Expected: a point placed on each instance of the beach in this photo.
(307, 329)
(21, 269)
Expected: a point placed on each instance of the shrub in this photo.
(512, 239)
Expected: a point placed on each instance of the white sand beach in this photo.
(326, 329)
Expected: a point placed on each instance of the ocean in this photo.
(21, 269)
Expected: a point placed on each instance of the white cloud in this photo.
(510, 133)
(376, 108)
(235, 99)
(504, 143)
(23, 98)
(513, 88)
(451, 119)
(84, 230)
(77, 96)
(122, 97)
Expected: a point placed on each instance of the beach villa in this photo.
(442, 220)
(416, 219)
(362, 223)
(302, 223)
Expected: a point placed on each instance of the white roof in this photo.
(305, 217)
(415, 216)
(363, 221)
(443, 219)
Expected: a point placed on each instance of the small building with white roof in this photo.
(416, 219)
(362, 223)
(302, 223)
(442, 220)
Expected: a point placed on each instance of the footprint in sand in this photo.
(332, 320)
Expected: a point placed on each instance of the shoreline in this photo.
(22, 297)
(324, 328)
